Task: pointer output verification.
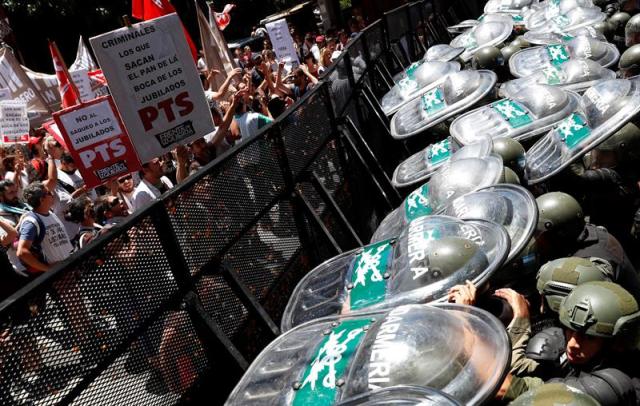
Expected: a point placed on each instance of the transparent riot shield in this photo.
(550, 37)
(451, 181)
(414, 81)
(576, 75)
(462, 351)
(604, 109)
(511, 206)
(443, 53)
(419, 167)
(458, 92)
(431, 255)
(508, 6)
(568, 22)
(484, 34)
(527, 61)
(548, 10)
(526, 115)
(402, 395)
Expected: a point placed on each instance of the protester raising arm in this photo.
(312, 79)
(181, 154)
(223, 129)
(220, 93)
(280, 87)
(54, 151)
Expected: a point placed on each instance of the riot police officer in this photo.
(543, 352)
(610, 181)
(619, 21)
(563, 232)
(600, 321)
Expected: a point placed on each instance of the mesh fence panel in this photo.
(374, 36)
(157, 369)
(84, 316)
(216, 209)
(258, 257)
(415, 14)
(397, 23)
(357, 58)
(305, 130)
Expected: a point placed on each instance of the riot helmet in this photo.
(632, 31)
(557, 278)
(619, 21)
(512, 153)
(520, 42)
(487, 58)
(557, 394)
(629, 63)
(560, 215)
(509, 50)
(624, 145)
(605, 28)
(600, 309)
(509, 176)
(446, 256)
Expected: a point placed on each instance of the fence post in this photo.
(175, 256)
(212, 337)
(297, 207)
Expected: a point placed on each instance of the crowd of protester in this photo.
(47, 213)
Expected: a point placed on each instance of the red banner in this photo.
(97, 140)
(150, 9)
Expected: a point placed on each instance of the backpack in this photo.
(41, 232)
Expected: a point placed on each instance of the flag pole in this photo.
(74, 89)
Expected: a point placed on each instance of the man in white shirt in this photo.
(152, 185)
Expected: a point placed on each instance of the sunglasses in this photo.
(126, 178)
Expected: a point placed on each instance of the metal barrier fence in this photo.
(173, 305)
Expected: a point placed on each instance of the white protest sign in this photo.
(155, 84)
(83, 84)
(283, 42)
(14, 122)
(5, 94)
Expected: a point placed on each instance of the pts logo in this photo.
(169, 108)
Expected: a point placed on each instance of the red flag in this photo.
(68, 92)
(98, 76)
(223, 19)
(150, 9)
